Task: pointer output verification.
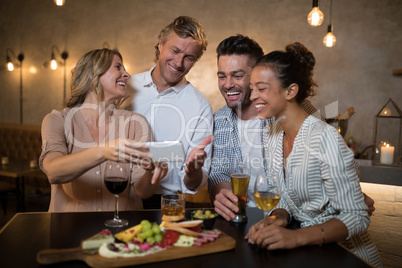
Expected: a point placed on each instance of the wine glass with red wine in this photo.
(116, 179)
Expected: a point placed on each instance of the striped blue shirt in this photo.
(320, 181)
(227, 147)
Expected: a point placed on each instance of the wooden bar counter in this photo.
(28, 233)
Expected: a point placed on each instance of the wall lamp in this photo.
(11, 66)
(53, 64)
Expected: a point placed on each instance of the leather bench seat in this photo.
(20, 141)
(24, 142)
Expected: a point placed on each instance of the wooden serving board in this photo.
(50, 256)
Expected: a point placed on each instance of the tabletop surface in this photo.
(16, 168)
(28, 233)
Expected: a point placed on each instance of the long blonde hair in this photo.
(86, 74)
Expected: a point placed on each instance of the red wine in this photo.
(116, 185)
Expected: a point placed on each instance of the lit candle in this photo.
(387, 154)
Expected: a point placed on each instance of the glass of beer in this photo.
(239, 180)
(267, 192)
(173, 204)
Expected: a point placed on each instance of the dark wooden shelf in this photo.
(397, 72)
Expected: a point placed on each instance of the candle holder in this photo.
(387, 140)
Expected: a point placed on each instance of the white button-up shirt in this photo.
(180, 113)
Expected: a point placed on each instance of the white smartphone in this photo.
(166, 151)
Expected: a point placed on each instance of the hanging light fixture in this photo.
(330, 39)
(11, 67)
(59, 3)
(53, 65)
(10, 64)
(315, 17)
(53, 62)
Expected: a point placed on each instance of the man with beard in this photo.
(237, 129)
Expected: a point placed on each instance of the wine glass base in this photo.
(239, 219)
(116, 223)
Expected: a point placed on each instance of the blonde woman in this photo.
(78, 140)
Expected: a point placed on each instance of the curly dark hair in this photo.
(294, 65)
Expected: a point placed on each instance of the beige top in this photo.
(67, 132)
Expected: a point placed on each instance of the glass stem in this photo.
(116, 208)
(266, 215)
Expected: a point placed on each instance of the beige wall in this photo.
(357, 71)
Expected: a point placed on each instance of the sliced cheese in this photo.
(129, 234)
(185, 241)
(95, 241)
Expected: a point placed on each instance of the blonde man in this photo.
(175, 109)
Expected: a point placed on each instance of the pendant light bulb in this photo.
(59, 3)
(315, 17)
(329, 39)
